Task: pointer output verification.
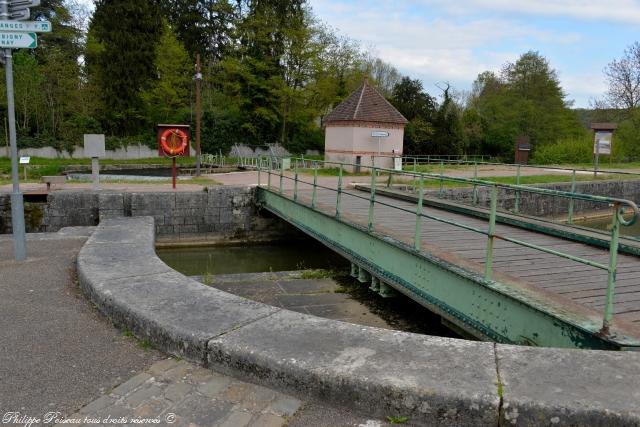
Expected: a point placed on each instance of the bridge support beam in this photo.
(354, 270)
(386, 291)
(375, 284)
(363, 275)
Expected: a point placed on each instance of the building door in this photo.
(358, 163)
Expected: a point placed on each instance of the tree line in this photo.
(271, 71)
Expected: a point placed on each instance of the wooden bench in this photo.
(53, 180)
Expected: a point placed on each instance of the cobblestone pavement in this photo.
(179, 393)
(174, 392)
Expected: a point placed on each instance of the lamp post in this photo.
(198, 78)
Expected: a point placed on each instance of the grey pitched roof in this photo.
(366, 104)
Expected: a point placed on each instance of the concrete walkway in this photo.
(58, 353)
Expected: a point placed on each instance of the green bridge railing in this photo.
(620, 208)
(412, 163)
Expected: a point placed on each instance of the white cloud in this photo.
(439, 48)
(627, 11)
(583, 87)
(450, 48)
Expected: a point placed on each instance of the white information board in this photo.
(94, 145)
(602, 143)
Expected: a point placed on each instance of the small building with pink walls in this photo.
(349, 127)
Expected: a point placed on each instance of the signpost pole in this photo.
(597, 159)
(11, 13)
(17, 202)
(95, 173)
(173, 172)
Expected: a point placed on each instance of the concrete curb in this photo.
(436, 381)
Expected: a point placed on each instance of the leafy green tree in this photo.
(384, 75)
(206, 27)
(65, 35)
(626, 144)
(448, 137)
(121, 54)
(167, 97)
(419, 108)
(418, 134)
(258, 71)
(544, 113)
(525, 99)
(411, 101)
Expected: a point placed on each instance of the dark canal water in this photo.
(198, 261)
(337, 296)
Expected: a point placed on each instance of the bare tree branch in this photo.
(623, 77)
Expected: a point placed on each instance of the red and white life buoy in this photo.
(174, 142)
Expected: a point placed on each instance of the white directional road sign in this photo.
(19, 9)
(26, 26)
(22, 4)
(379, 134)
(18, 40)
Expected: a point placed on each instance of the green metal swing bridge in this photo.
(487, 270)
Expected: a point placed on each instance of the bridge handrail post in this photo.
(339, 196)
(258, 166)
(269, 174)
(417, 241)
(415, 170)
(488, 265)
(314, 194)
(618, 212)
(281, 177)
(372, 199)
(571, 201)
(516, 208)
(475, 186)
(295, 181)
(441, 192)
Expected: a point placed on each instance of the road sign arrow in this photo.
(26, 26)
(16, 40)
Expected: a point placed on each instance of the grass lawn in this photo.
(188, 181)
(602, 166)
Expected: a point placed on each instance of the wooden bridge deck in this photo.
(563, 278)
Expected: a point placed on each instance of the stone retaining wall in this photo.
(548, 206)
(219, 213)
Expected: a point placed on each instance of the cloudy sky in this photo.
(454, 40)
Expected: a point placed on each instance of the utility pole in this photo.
(198, 78)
